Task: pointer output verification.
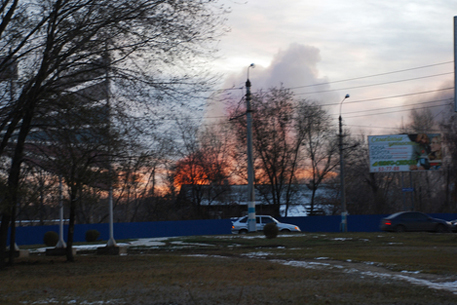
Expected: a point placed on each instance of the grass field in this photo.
(311, 268)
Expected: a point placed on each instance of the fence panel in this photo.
(32, 235)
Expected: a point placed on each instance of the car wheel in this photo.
(440, 229)
(400, 228)
(243, 231)
(285, 231)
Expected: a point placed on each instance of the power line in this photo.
(435, 101)
(357, 87)
(351, 79)
(373, 85)
(373, 127)
(389, 97)
(359, 111)
(379, 113)
(406, 105)
(387, 128)
(373, 75)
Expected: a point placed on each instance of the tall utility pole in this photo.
(455, 62)
(61, 243)
(343, 225)
(251, 191)
(111, 240)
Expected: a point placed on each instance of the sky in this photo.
(372, 50)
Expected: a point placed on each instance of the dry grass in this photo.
(218, 270)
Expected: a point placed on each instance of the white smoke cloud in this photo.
(295, 67)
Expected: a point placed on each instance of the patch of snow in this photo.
(412, 272)
(257, 254)
(206, 255)
(311, 265)
(181, 243)
(439, 285)
(153, 242)
(449, 286)
(293, 211)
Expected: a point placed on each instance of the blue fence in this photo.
(132, 230)
(129, 230)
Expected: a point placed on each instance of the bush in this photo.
(270, 230)
(92, 235)
(50, 238)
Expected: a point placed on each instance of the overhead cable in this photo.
(373, 85)
(373, 75)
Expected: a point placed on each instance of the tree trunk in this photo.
(13, 184)
(6, 218)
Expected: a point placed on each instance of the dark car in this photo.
(414, 221)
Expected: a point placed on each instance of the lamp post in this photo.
(111, 241)
(343, 225)
(251, 192)
(61, 243)
(455, 63)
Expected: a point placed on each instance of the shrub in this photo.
(270, 230)
(50, 238)
(92, 235)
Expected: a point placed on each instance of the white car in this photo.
(240, 226)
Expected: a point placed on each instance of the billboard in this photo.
(404, 153)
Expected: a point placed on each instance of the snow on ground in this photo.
(366, 269)
(415, 278)
(145, 242)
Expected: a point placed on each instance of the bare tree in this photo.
(375, 193)
(276, 145)
(293, 141)
(429, 186)
(62, 44)
(419, 121)
(75, 145)
(369, 193)
(318, 139)
(205, 167)
(449, 147)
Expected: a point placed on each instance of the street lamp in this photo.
(343, 225)
(251, 192)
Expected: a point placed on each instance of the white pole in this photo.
(61, 243)
(455, 63)
(111, 241)
(251, 191)
(343, 225)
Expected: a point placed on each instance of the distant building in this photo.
(226, 201)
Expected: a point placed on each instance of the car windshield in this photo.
(243, 220)
(268, 219)
(394, 215)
